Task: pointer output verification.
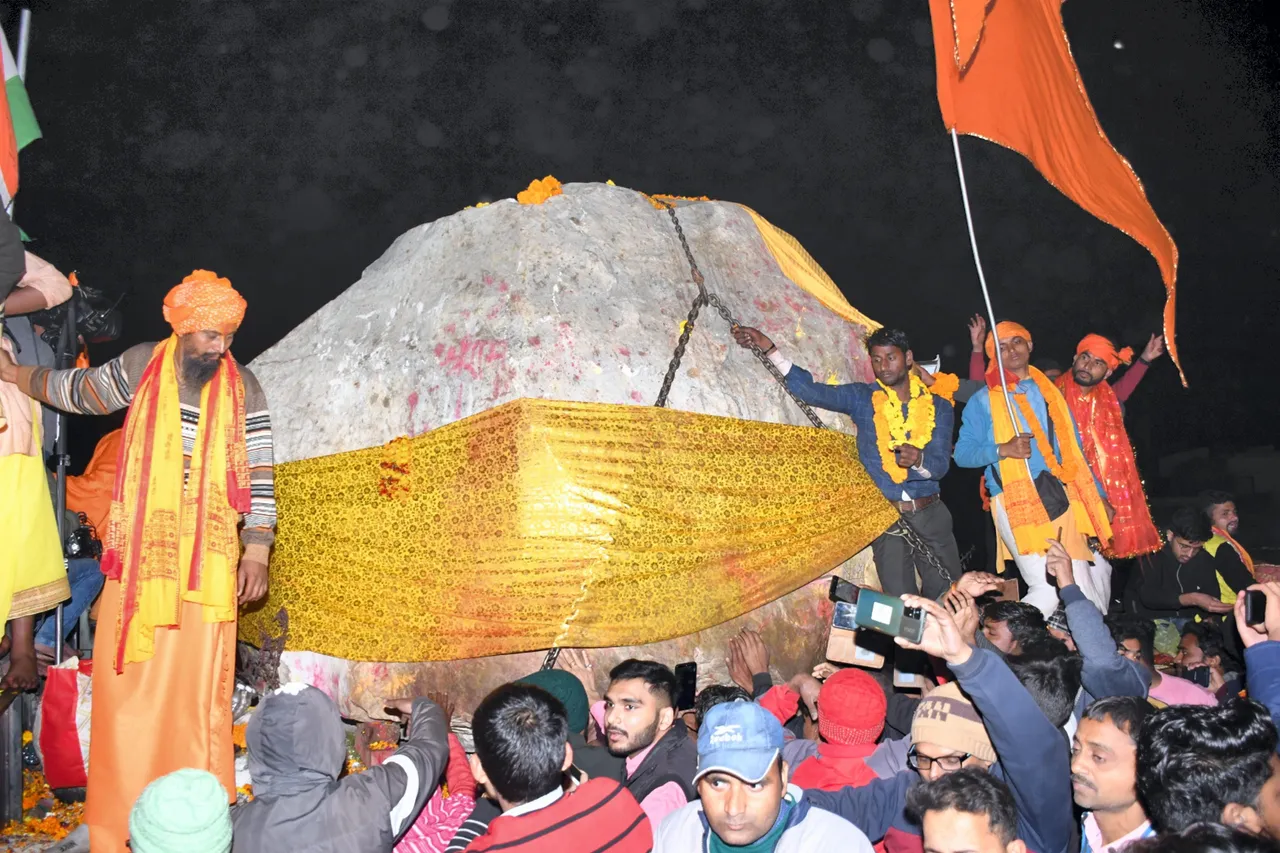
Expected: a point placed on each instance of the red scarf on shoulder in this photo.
(1110, 455)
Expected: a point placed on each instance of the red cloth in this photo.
(1005, 74)
(1110, 455)
(781, 701)
(835, 766)
(898, 841)
(599, 815)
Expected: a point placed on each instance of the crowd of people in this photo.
(1074, 716)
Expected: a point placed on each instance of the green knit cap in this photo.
(184, 812)
(566, 687)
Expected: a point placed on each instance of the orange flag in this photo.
(1005, 74)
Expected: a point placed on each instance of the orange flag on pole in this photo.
(1006, 74)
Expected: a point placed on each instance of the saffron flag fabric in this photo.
(541, 524)
(1006, 74)
(18, 127)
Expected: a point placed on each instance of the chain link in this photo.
(705, 297)
(902, 527)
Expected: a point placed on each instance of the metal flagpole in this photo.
(982, 280)
(24, 40)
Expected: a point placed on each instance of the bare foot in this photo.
(22, 671)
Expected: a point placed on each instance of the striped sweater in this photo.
(110, 387)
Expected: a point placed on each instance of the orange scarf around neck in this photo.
(168, 544)
(1239, 549)
(1030, 523)
(1110, 455)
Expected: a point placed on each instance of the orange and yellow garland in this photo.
(894, 429)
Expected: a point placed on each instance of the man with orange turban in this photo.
(1040, 483)
(194, 466)
(1095, 405)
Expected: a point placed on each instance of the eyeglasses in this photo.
(948, 763)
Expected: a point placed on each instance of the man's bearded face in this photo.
(1088, 370)
(201, 353)
(1225, 517)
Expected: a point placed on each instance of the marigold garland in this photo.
(656, 199)
(1062, 425)
(893, 429)
(945, 385)
(540, 191)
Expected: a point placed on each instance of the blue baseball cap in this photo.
(738, 738)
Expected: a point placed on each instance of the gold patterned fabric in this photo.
(541, 523)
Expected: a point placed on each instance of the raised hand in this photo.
(942, 637)
(1154, 348)
(978, 332)
(1251, 635)
(746, 336)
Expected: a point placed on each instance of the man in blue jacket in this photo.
(1032, 756)
(1262, 650)
(904, 441)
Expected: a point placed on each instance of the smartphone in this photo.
(1255, 607)
(842, 590)
(880, 612)
(686, 685)
(1199, 675)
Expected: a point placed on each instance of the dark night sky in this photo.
(286, 144)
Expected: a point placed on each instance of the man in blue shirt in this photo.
(904, 441)
(1026, 530)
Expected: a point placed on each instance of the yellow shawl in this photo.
(167, 544)
(1027, 517)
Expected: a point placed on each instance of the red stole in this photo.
(1106, 446)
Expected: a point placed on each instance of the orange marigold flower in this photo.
(237, 735)
(540, 191)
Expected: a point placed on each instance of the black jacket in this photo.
(1163, 579)
(673, 759)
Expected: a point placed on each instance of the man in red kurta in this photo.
(1095, 405)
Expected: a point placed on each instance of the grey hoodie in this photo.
(297, 748)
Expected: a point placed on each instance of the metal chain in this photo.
(705, 297)
(902, 527)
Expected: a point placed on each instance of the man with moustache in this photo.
(1104, 770)
(1095, 405)
(641, 726)
(904, 440)
(196, 468)
(1233, 563)
(1040, 483)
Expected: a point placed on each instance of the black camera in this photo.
(98, 319)
(82, 541)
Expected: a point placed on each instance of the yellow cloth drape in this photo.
(33, 578)
(541, 523)
(805, 273)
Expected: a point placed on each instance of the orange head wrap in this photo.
(1006, 329)
(1099, 347)
(204, 301)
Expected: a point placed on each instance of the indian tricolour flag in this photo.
(17, 124)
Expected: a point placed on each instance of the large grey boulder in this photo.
(579, 298)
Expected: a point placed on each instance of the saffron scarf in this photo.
(1030, 523)
(1110, 455)
(167, 543)
(1238, 548)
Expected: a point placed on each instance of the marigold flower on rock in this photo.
(540, 191)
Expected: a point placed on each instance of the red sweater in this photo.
(835, 766)
(599, 815)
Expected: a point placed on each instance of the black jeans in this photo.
(897, 562)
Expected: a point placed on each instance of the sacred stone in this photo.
(580, 298)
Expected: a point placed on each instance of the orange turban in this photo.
(204, 301)
(1006, 329)
(1100, 347)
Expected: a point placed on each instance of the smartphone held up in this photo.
(857, 607)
